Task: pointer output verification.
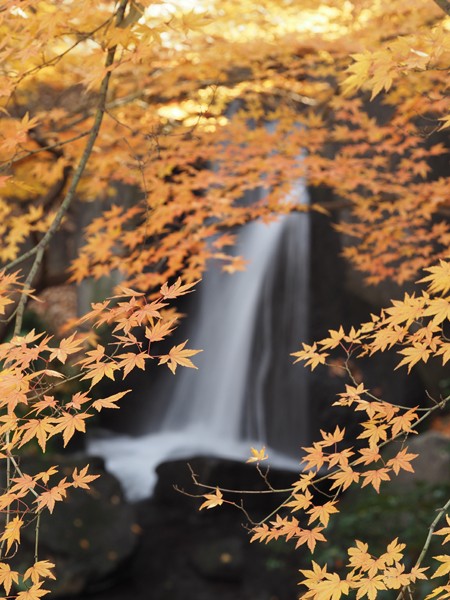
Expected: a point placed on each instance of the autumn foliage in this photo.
(156, 119)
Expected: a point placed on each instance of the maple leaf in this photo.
(414, 354)
(178, 355)
(322, 513)
(261, 533)
(310, 537)
(45, 475)
(50, 497)
(160, 330)
(312, 578)
(7, 576)
(109, 402)
(331, 587)
(300, 501)
(310, 355)
(34, 593)
(402, 460)
(177, 289)
(393, 553)
(98, 370)
(439, 280)
(68, 424)
(404, 422)
(439, 309)
(329, 439)
(334, 340)
(81, 479)
(369, 586)
(212, 500)
(12, 532)
(445, 531)
(22, 485)
(444, 569)
(40, 570)
(130, 360)
(445, 351)
(257, 455)
(344, 477)
(375, 477)
(39, 429)
(359, 557)
(67, 346)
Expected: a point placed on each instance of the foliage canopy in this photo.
(157, 117)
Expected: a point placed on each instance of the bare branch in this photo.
(444, 5)
(39, 249)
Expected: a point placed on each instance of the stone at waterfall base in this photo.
(88, 536)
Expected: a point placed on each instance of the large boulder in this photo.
(90, 534)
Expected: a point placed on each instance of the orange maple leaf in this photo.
(81, 479)
(178, 356)
(177, 289)
(69, 423)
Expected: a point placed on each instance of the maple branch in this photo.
(441, 512)
(444, 5)
(39, 249)
(28, 153)
(229, 490)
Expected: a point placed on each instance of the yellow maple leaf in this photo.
(40, 570)
(12, 532)
(444, 569)
(7, 577)
(212, 500)
(257, 455)
(369, 586)
(311, 355)
(34, 593)
(439, 280)
(445, 531)
(415, 353)
(331, 587)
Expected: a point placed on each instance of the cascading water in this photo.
(246, 391)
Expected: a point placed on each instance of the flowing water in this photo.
(246, 391)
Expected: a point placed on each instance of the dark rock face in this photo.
(88, 536)
(184, 554)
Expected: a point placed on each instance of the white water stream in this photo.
(246, 391)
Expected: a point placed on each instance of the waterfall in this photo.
(246, 391)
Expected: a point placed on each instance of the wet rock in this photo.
(88, 536)
(221, 559)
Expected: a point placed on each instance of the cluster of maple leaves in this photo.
(34, 369)
(414, 327)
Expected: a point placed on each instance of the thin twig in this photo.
(441, 512)
(38, 250)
